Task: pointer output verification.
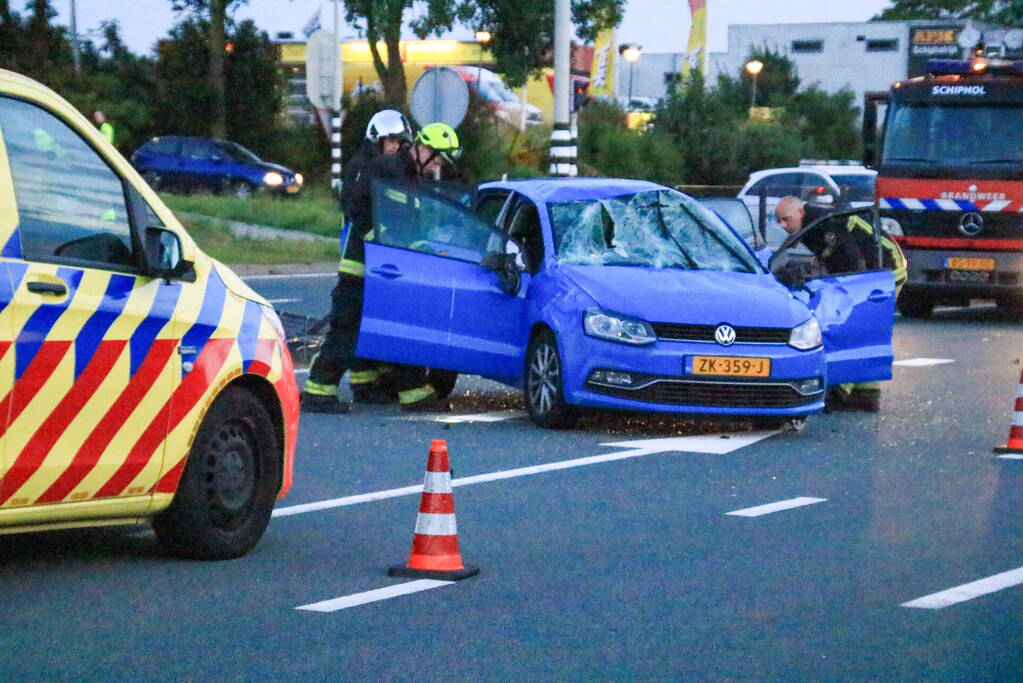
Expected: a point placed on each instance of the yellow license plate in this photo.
(732, 366)
(965, 263)
(292, 189)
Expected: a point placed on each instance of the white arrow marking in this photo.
(922, 362)
(715, 444)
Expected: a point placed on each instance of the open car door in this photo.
(835, 266)
(425, 286)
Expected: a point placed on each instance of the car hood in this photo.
(690, 296)
(235, 284)
(267, 166)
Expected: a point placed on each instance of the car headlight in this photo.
(806, 336)
(618, 328)
(273, 179)
(891, 226)
(299, 179)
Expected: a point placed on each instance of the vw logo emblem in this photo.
(971, 224)
(724, 335)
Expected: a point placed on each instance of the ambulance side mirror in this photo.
(162, 249)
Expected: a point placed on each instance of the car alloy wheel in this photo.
(544, 388)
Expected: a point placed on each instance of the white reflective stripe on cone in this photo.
(437, 482)
(1019, 394)
(430, 524)
(1017, 419)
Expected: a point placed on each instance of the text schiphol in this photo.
(974, 90)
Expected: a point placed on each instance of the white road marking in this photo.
(1012, 456)
(282, 301)
(637, 449)
(281, 276)
(968, 591)
(447, 418)
(922, 362)
(387, 593)
(776, 507)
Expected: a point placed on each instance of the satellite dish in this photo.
(1013, 39)
(440, 95)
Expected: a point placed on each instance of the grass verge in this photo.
(312, 211)
(217, 241)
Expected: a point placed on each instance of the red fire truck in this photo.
(950, 180)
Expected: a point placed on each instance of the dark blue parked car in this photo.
(187, 164)
(616, 294)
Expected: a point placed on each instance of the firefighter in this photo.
(386, 132)
(848, 250)
(422, 158)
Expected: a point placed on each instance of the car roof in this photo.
(826, 170)
(548, 190)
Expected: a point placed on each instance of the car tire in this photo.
(545, 386)
(242, 189)
(442, 381)
(153, 179)
(915, 306)
(230, 483)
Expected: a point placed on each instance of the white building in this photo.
(862, 56)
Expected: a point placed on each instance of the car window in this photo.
(653, 229)
(856, 187)
(198, 149)
(525, 231)
(489, 206)
(71, 205)
(165, 145)
(784, 184)
(233, 150)
(735, 213)
(416, 218)
(838, 244)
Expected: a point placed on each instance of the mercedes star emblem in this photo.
(971, 224)
(724, 335)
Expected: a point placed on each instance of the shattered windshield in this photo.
(654, 229)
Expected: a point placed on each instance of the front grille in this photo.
(720, 394)
(705, 333)
(1004, 225)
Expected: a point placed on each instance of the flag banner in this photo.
(602, 76)
(696, 51)
(313, 24)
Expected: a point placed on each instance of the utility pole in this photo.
(74, 40)
(563, 146)
(337, 66)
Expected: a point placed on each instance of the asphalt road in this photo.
(624, 566)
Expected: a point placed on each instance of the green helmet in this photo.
(442, 138)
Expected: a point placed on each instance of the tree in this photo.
(522, 30)
(1009, 12)
(214, 15)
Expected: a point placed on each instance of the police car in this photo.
(141, 380)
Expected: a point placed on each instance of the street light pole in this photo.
(631, 54)
(753, 68)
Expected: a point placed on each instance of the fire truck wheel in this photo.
(915, 307)
(229, 485)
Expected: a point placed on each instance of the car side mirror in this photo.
(163, 254)
(509, 276)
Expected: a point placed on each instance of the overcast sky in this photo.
(658, 25)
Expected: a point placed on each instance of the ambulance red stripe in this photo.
(187, 395)
(35, 376)
(35, 451)
(90, 451)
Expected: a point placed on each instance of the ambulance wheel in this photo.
(915, 306)
(442, 381)
(545, 384)
(229, 485)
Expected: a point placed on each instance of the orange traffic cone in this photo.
(435, 552)
(1015, 442)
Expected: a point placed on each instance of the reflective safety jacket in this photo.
(892, 257)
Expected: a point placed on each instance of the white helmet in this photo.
(388, 123)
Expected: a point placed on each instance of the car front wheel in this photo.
(229, 485)
(545, 392)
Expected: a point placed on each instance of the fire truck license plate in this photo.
(733, 366)
(964, 263)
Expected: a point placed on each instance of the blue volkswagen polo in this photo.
(614, 294)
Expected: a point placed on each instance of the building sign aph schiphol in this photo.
(967, 90)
